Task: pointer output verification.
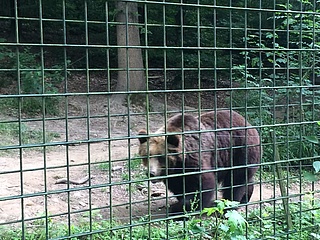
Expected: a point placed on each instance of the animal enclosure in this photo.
(80, 79)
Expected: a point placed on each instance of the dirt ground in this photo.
(42, 169)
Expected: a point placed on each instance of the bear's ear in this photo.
(142, 139)
(173, 140)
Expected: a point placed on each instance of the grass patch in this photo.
(140, 229)
(31, 105)
(102, 230)
(104, 166)
(9, 106)
(14, 134)
(137, 171)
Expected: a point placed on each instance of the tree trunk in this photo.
(131, 77)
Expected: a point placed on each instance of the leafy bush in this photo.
(26, 76)
(314, 139)
(276, 85)
(271, 221)
(222, 223)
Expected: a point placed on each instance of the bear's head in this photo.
(159, 153)
(163, 155)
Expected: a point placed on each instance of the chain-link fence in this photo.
(134, 119)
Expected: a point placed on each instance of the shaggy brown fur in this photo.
(204, 151)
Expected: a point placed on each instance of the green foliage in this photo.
(312, 139)
(174, 16)
(266, 221)
(229, 224)
(316, 164)
(102, 230)
(277, 84)
(218, 222)
(263, 223)
(232, 227)
(26, 76)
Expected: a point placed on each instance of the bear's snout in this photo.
(152, 174)
(154, 170)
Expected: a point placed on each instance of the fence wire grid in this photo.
(84, 84)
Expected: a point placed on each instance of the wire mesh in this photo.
(80, 79)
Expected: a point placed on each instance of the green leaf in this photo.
(197, 229)
(235, 220)
(238, 237)
(312, 139)
(310, 176)
(209, 211)
(232, 203)
(220, 205)
(315, 235)
(316, 166)
(224, 227)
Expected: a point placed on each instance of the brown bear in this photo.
(191, 155)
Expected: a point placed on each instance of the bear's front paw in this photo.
(176, 210)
